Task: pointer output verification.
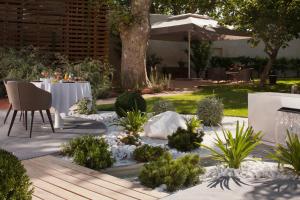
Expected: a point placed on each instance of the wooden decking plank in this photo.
(33, 172)
(43, 194)
(79, 182)
(35, 198)
(106, 177)
(92, 179)
(55, 190)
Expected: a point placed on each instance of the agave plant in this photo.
(235, 149)
(290, 154)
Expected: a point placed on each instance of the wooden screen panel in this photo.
(72, 27)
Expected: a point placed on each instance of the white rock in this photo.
(164, 124)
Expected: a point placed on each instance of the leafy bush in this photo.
(148, 153)
(186, 140)
(131, 139)
(84, 107)
(290, 154)
(89, 151)
(235, 149)
(210, 111)
(161, 106)
(128, 101)
(175, 173)
(14, 183)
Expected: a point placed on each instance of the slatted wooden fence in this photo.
(71, 27)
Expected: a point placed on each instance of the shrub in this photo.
(148, 153)
(14, 183)
(235, 149)
(290, 154)
(133, 121)
(128, 101)
(161, 106)
(186, 140)
(84, 107)
(131, 139)
(175, 173)
(159, 82)
(89, 151)
(210, 111)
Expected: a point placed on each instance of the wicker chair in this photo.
(25, 96)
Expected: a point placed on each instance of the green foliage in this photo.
(186, 140)
(159, 82)
(89, 151)
(289, 154)
(152, 61)
(236, 148)
(97, 72)
(131, 139)
(14, 184)
(84, 107)
(177, 7)
(270, 21)
(175, 173)
(146, 153)
(26, 63)
(210, 111)
(129, 101)
(161, 106)
(133, 122)
(200, 53)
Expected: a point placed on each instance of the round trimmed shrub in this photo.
(89, 151)
(161, 106)
(210, 111)
(129, 101)
(175, 173)
(14, 183)
(146, 153)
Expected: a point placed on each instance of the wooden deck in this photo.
(56, 179)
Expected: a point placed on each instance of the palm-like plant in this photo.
(290, 154)
(133, 121)
(235, 149)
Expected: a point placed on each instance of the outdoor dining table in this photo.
(64, 96)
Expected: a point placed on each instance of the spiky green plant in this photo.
(289, 155)
(133, 121)
(235, 149)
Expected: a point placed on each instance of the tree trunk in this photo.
(265, 73)
(134, 46)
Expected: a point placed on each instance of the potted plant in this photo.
(272, 77)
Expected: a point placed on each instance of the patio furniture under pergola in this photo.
(190, 27)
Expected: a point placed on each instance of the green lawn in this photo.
(234, 97)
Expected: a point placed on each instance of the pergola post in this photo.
(189, 54)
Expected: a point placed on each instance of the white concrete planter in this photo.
(263, 115)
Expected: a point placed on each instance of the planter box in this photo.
(263, 115)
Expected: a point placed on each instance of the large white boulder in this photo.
(164, 124)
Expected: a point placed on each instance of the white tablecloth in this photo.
(65, 95)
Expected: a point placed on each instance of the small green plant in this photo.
(129, 101)
(175, 173)
(89, 151)
(146, 153)
(289, 155)
(133, 121)
(235, 149)
(131, 139)
(210, 111)
(84, 107)
(159, 82)
(187, 140)
(14, 183)
(161, 106)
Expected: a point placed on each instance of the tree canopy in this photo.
(274, 22)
